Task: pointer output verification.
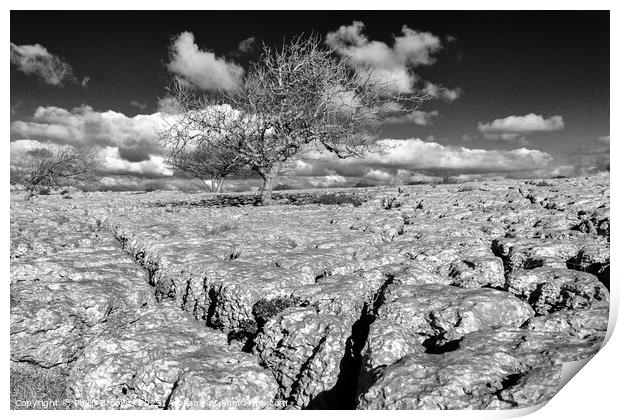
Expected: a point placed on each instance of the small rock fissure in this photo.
(344, 395)
(175, 385)
(304, 368)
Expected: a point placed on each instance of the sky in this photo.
(513, 94)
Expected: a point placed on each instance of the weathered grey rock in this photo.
(518, 254)
(596, 222)
(593, 258)
(477, 272)
(430, 318)
(167, 360)
(536, 386)
(457, 380)
(450, 312)
(73, 287)
(496, 368)
(551, 289)
(581, 323)
(309, 347)
(304, 348)
(397, 299)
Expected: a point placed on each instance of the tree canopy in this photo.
(300, 97)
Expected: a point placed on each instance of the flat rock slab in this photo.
(167, 360)
(450, 312)
(492, 369)
(429, 318)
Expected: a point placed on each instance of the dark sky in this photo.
(506, 64)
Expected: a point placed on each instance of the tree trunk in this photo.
(218, 185)
(29, 195)
(269, 176)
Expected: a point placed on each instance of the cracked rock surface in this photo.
(423, 297)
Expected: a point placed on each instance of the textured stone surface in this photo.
(69, 283)
(500, 368)
(425, 318)
(449, 312)
(166, 360)
(551, 289)
(446, 296)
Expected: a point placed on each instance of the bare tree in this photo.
(56, 167)
(191, 147)
(294, 99)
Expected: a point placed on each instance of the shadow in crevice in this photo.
(343, 395)
(437, 345)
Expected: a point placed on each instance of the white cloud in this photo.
(327, 181)
(378, 174)
(529, 123)
(114, 163)
(418, 155)
(87, 127)
(416, 116)
(437, 91)
(126, 144)
(604, 139)
(37, 60)
(202, 68)
(412, 47)
(391, 65)
(20, 149)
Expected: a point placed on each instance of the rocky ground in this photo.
(421, 297)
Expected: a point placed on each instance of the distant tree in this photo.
(193, 148)
(55, 167)
(292, 100)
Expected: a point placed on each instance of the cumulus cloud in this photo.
(514, 127)
(391, 65)
(418, 155)
(417, 117)
(87, 127)
(111, 157)
(36, 60)
(115, 163)
(20, 150)
(201, 68)
(126, 144)
(411, 47)
(437, 91)
(378, 175)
